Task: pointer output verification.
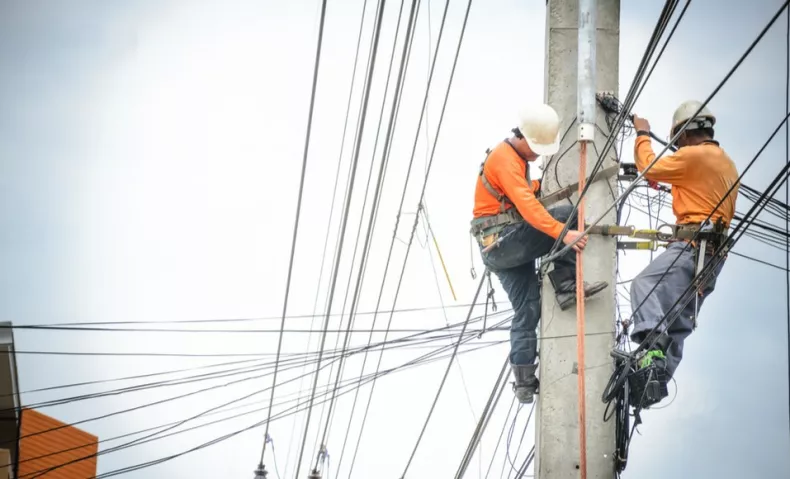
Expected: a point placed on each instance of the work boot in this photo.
(526, 385)
(653, 357)
(564, 283)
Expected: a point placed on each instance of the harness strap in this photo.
(501, 197)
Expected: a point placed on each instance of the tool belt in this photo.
(486, 229)
(712, 237)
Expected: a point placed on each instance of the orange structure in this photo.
(45, 443)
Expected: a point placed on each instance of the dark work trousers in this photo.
(513, 262)
(660, 292)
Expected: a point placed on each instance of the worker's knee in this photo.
(562, 213)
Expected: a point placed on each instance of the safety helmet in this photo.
(703, 119)
(540, 127)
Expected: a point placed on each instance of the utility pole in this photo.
(581, 60)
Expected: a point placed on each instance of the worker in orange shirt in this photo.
(701, 174)
(506, 208)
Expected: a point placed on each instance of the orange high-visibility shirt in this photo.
(700, 176)
(507, 172)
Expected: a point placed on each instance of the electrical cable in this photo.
(430, 162)
(485, 416)
(172, 398)
(663, 47)
(299, 200)
(192, 428)
(371, 69)
(499, 439)
(332, 203)
(366, 249)
(258, 424)
(360, 277)
(223, 320)
(787, 199)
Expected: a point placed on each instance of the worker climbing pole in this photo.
(704, 185)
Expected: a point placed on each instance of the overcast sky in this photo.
(150, 154)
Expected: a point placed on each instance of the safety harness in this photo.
(486, 226)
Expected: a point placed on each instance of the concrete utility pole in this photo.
(573, 76)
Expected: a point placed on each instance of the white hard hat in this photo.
(687, 109)
(540, 127)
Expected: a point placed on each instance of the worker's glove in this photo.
(653, 184)
(537, 185)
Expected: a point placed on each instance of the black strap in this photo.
(501, 197)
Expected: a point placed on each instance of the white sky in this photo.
(150, 166)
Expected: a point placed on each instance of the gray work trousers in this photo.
(659, 302)
(513, 262)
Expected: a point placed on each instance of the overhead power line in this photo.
(298, 205)
(420, 360)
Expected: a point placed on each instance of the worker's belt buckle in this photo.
(487, 241)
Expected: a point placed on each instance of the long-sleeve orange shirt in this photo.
(700, 176)
(506, 172)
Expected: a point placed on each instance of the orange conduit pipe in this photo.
(580, 320)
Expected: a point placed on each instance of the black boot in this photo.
(526, 385)
(564, 282)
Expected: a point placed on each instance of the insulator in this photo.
(260, 472)
(314, 475)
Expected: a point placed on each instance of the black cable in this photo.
(430, 162)
(378, 192)
(366, 97)
(408, 42)
(228, 320)
(258, 424)
(362, 270)
(499, 439)
(194, 427)
(125, 378)
(359, 225)
(787, 196)
(240, 331)
(520, 441)
(663, 47)
(406, 53)
(334, 193)
(220, 374)
(300, 196)
(173, 398)
(485, 416)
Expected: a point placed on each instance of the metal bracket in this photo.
(586, 132)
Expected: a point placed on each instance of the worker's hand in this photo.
(571, 236)
(640, 124)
